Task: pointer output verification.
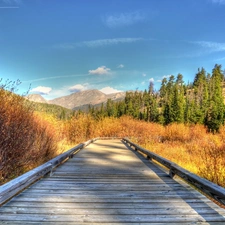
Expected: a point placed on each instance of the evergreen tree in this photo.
(200, 90)
(178, 101)
(121, 108)
(168, 113)
(146, 103)
(110, 108)
(153, 106)
(215, 113)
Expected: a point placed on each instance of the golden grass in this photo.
(194, 149)
(30, 138)
(190, 146)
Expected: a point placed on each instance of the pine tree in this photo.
(153, 106)
(121, 108)
(168, 105)
(200, 89)
(178, 101)
(215, 113)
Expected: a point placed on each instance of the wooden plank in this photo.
(96, 199)
(111, 205)
(121, 211)
(111, 194)
(61, 188)
(115, 223)
(112, 218)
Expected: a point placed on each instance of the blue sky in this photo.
(63, 46)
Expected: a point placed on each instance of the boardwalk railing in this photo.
(13, 187)
(16, 185)
(207, 187)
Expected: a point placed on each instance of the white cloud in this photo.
(218, 1)
(211, 46)
(124, 19)
(166, 76)
(55, 77)
(77, 88)
(98, 43)
(120, 66)
(41, 90)
(220, 59)
(59, 92)
(100, 71)
(151, 79)
(112, 41)
(144, 74)
(109, 90)
(10, 4)
(12, 1)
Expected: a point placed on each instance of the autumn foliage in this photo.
(25, 141)
(29, 138)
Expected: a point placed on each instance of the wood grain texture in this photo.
(109, 183)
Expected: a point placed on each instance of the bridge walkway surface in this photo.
(108, 182)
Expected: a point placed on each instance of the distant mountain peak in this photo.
(36, 98)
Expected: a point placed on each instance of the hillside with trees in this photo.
(51, 109)
(199, 102)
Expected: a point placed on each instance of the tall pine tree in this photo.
(215, 113)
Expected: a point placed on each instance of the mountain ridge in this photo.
(75, 100)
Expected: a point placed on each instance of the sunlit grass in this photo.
(31, 138)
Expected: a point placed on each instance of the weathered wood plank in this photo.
(115, 223)
(89, 188)
(130, 200)
(109, 205)
(111, 194)
(116, 211)
(112, 218)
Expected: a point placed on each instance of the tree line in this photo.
(199, 102)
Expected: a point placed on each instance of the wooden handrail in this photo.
(14, 186)
(211, 189)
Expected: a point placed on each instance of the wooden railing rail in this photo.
(14, 186)
(110, 138)
(212, 190)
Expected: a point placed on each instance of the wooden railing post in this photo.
(148, 157)
(171, 173)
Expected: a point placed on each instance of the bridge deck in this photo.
(108, 183)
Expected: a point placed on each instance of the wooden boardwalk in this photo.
(109, 183)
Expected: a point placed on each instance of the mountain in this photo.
(80, 100)
(36, 98)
